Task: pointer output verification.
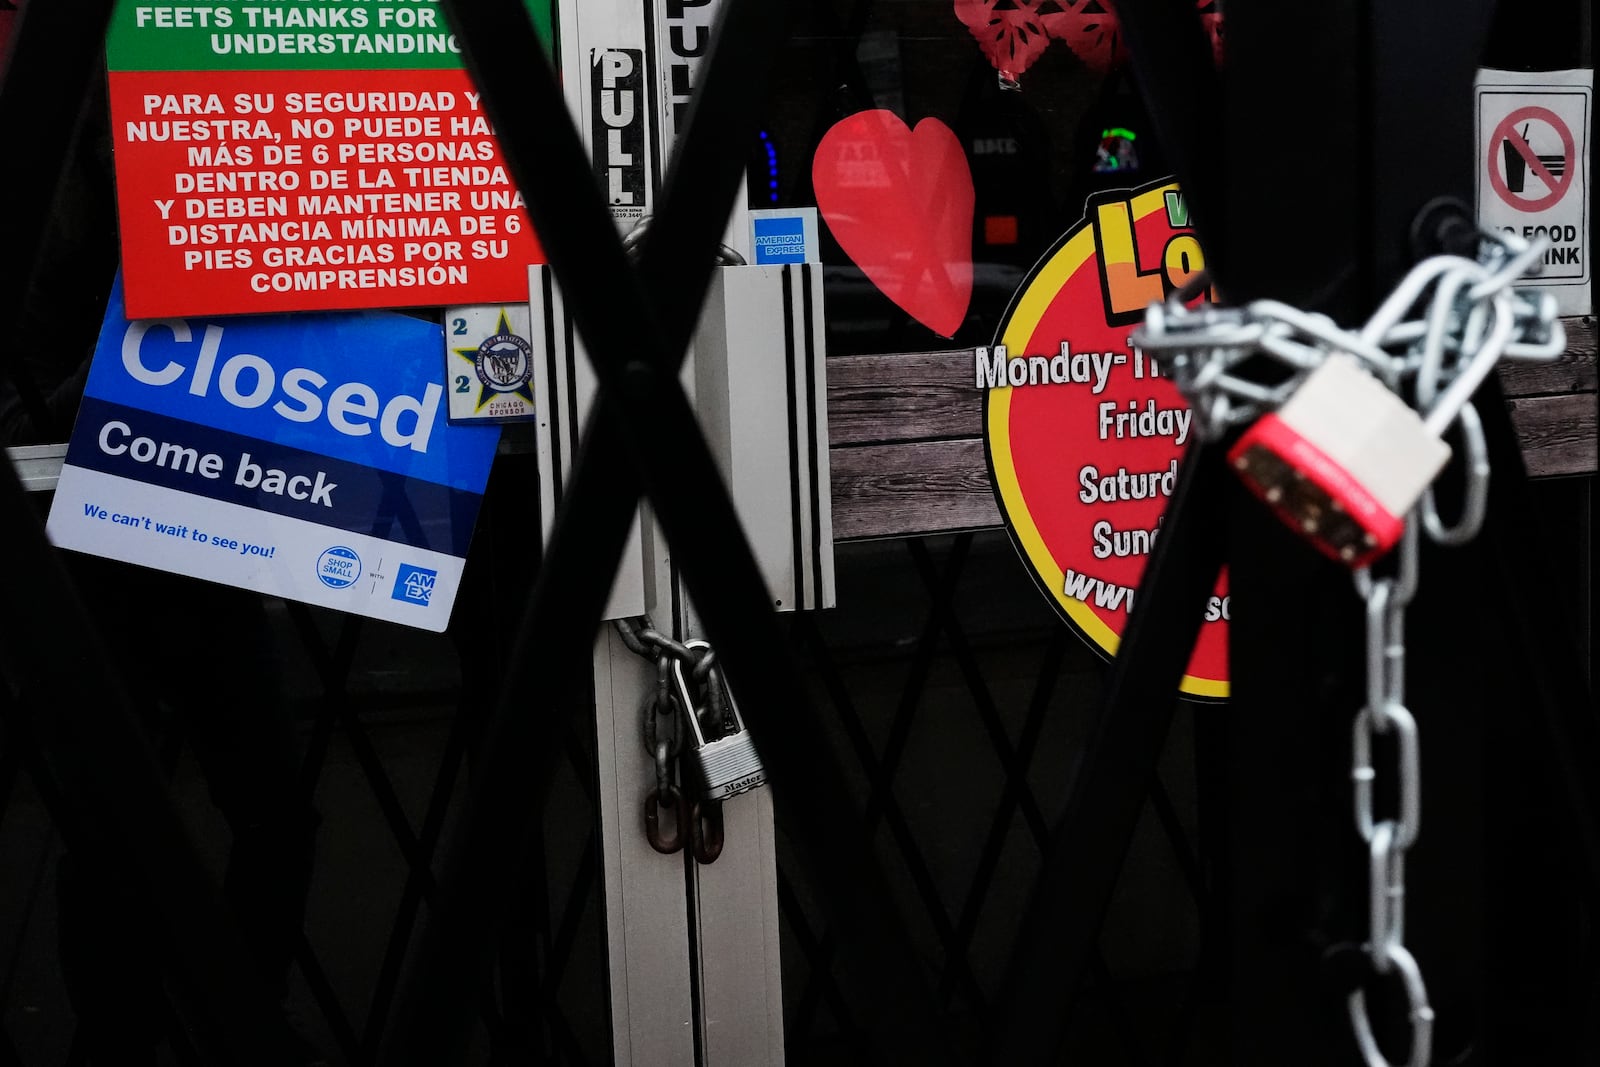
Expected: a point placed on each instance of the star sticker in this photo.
(486, 392)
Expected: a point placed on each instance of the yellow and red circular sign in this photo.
(1083, 435)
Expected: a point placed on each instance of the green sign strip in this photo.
(234, 35)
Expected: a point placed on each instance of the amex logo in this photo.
(414, 584)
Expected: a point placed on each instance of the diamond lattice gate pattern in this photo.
(383, 728)
(962, 705)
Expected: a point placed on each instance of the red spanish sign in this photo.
(1083, 433)
(260, 170)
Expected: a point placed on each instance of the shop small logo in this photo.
(414, 585)
(338, 567)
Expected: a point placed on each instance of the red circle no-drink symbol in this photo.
(1512, 160)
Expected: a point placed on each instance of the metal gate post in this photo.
(679, 934)
(603, 52)
(647, 924)
(647, 927)
(734, 905)
(760, 354)
(728, 952)
(637, 324)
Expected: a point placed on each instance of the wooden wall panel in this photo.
(907, 435)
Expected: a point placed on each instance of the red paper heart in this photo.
(899, 202)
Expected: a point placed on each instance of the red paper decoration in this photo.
(899, 202)
(1014, 33)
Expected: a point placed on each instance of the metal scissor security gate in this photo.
(474, 935)
(442, 992)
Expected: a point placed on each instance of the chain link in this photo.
(697, 824)
(663, 732)
(1398, 960)
(1387, 838)
(1437, 336)
(1440, 333)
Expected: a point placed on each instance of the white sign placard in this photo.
(489, 356)
(1532, 172)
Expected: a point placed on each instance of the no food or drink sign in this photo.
(1533, 170)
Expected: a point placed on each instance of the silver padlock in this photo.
(730, 764)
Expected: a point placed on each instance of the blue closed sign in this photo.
(303, 456)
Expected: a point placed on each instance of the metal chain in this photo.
(1437, 336)
(1385, 713)
(696, 824)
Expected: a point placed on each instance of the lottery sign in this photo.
(1083, 433)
